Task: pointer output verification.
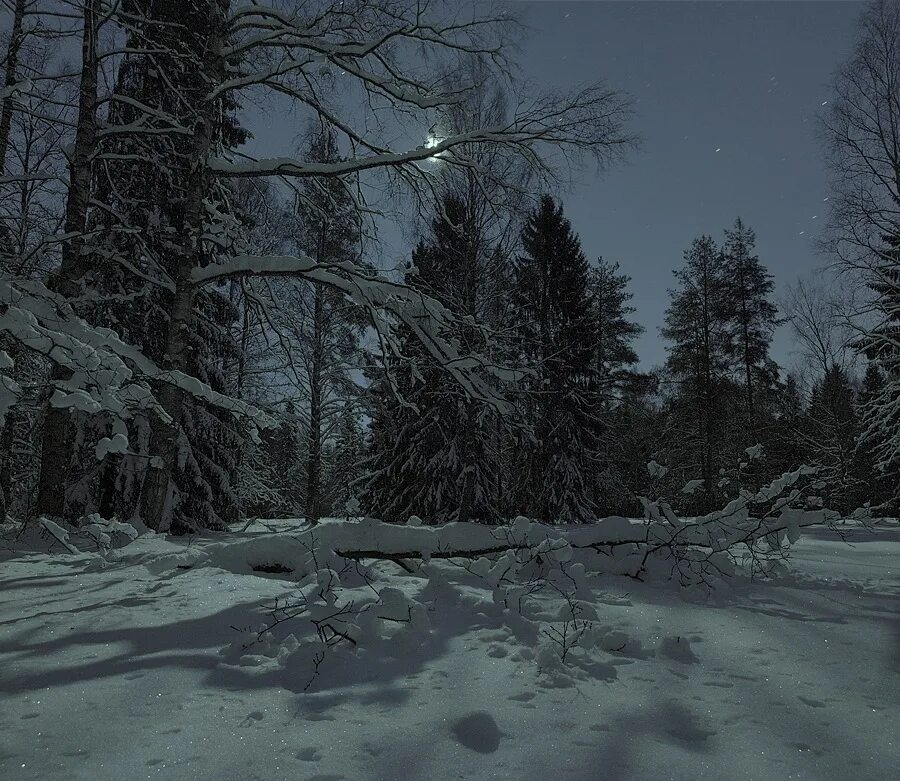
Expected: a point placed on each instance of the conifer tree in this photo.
(620, 409)
(345, 469)
(429, 450)
(614, 332)
(556, 331)
(881, 487)
(699, 329)
(859, 127)
(881, 345)
(329, 327)
(748, 288)
(830, 434)
(784, 448)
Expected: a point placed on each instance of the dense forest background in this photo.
(191, 337)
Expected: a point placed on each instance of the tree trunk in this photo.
(314, 452)
(56, 439)
(158, 493)
(12, 64)
(6, 446)
(745, 335)
(16, 37)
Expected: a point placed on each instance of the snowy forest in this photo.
(371, 415)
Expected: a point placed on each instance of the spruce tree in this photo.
(156, 202)
(346, 465)
(881, 345)
(831, 431)
(879, 487)
(699, 329)
(556, 336)
(784, 446)
(429, 452)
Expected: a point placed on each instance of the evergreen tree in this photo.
(556, 332)
(881, 409)
(330, 328)
(878, 485)
(784, 447)
(748, 288)
(614, 333)
(346, 467)
(621, 414)
(270, 481)
(831, 431)
(156, 204)
(429, 452)
(700, 332)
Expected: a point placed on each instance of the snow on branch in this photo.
(108, 375)
(426, 317)
(613, 545)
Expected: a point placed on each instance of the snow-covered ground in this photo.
(124, 667)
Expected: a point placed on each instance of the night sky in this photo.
(727, 96)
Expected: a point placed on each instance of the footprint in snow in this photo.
(319, 717)
(309, 754)
(252, 717)
(806, 747)
(478, 731)
(522, 697)
(812, 703)
(680, 723)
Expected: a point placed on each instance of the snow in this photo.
(133, 662)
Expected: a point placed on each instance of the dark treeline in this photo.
(586, 421)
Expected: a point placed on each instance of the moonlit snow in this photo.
(129, 665)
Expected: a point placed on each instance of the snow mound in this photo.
(677, 648)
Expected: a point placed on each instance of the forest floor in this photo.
(112, 667)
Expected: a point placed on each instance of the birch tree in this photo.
(861, 130)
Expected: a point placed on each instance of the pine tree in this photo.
(699, 329)
(614, 333)
(748, 288)
(619, 402)
(556, 336)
